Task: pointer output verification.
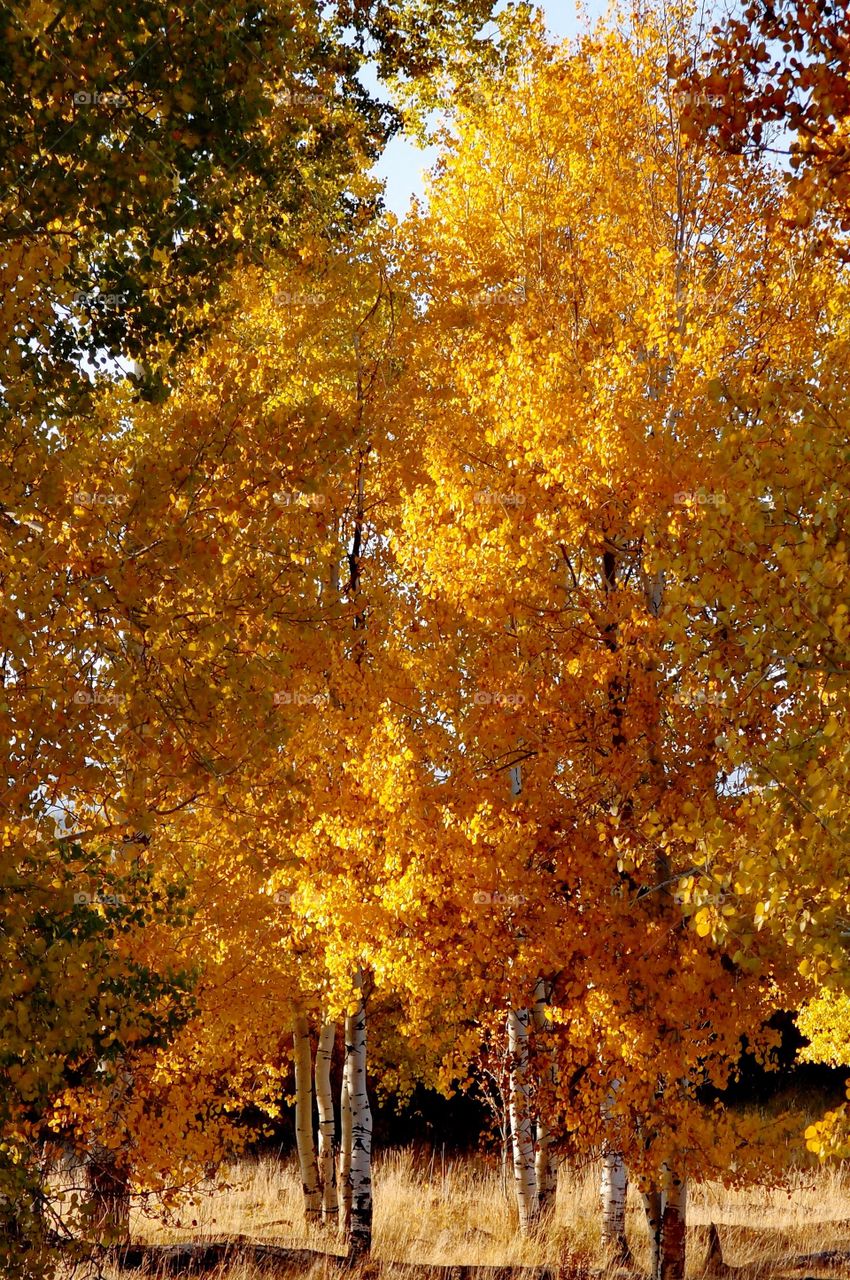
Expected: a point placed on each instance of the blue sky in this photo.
(402, 164)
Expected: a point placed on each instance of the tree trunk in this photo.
(360, 1175)
(614, 1190)
(673, 1228)
(614, 1186)
(327, 1124)
(506, 1157)
(545, 1169)
(521, 1124)
(109, 1190)
(304, 1119)
(345, 1134)
(666, 1219)
(652, 1203)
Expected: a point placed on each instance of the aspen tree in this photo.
(653, 1208)
(346, 1141)
(357, 1099)
(613, 1193)
(522, 1120)
(614, 1185)
(562, 359)
(327, 1123)
(545, 1168)
(304, 1118)
(577, 361)
(672, 1231)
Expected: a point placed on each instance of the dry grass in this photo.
(461, 1212)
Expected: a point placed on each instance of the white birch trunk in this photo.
(614, 1186)
(652, 1203)
(545, 1170)
(345, 1136)
(304, 1119)
(673, 1252)
(613, 1191)
(360, 1175)
(525, 1177)
(327, 1126)
(666, 1218)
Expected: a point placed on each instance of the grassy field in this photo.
(442, 1214)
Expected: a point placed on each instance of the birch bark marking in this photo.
(652, 1203)
(545, 1170)
(666, 1218)
(673, 1250)
(327, 1126)
(614, 1186)
(614, 1190)
(521, 1126)
(304, 1140)
(345, 1135)
(360, 1175)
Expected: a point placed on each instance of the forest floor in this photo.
(453, 1214)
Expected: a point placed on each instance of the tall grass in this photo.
(437, 1212)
